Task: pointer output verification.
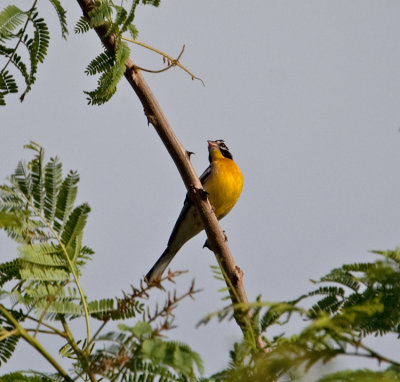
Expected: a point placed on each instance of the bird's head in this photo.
(218, 149)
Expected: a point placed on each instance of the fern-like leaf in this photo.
(73, 230)
(45, 254)
(9, 271)
(127, 25)
(41, 38)
(61, 13)
(100, 307)
(100, 64)
(37, 47)
(7, 344)
(107, 84)
(65, 201)
(82, 26)
(43, 274)
(16, 60)
(22, 179)
(7, 83)
(154, 3)
(53, 180)
(36, 167)
(11, 17)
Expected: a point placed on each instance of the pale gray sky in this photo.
(307, 96)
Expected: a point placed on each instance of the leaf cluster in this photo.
(110, 64)
(19, 28)
(350, 303)
(38, 211)
(139, 354)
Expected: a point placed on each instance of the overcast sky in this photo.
(305, 93)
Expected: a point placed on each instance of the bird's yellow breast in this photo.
(224, 185)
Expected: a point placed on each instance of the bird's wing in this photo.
(187, 209)
(205, 175)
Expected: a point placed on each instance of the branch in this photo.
(155, 116)
(33, 342)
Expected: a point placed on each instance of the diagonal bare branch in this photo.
(155, 116)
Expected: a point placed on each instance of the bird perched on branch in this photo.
(223, 182)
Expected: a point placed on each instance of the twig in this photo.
(170, 60)
(7, 333)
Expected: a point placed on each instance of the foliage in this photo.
(38, 211)
(15, 25)
(26, 28)
(350, 303)
(137, 353)
(110, 65)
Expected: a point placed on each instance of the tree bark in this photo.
(155, 116)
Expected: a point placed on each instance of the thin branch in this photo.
(82, 355)
(170, 60)
(7, 333)
(35, 331)
(52, 328)
(374, 354)
(33, 342)
(157, 118)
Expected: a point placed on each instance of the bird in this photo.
(223, 182)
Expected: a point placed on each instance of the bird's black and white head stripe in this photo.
(223, 148)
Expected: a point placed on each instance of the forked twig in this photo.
(170, 60)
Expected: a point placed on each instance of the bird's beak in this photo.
(212, 144)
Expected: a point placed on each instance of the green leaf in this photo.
(9, 271)
(52, 184)
(65, 200)
(36, 167)
(129, 19)
(82, 26)
(9, 220)
(102, 63)
(61, 13)
(40, 273)
(100, 14)
(22, 180)
(133, 31)
(46, 254)
(107, 83)
(100, 307)
(73, 231)
(7, 345)
(7, 83)
(16, 60)
(155, 3)
(40, 40)
(11, 17)
(141, 330)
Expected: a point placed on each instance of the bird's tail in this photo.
(159, 267)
